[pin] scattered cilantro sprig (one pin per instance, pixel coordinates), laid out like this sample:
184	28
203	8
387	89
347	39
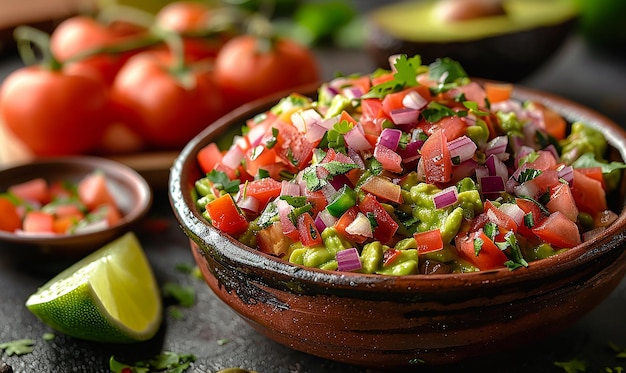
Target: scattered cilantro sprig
18	347
166	362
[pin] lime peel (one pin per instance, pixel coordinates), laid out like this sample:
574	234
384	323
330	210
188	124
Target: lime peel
109	296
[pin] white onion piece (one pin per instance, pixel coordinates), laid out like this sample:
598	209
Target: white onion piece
284	208
566	173
404	116
233	157
414	100
446	197
497	145
514	211
360	226
355	138
352	92
348	260
303	119
326	217
462	147
248	204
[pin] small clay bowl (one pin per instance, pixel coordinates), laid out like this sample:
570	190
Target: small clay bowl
130	190
389	322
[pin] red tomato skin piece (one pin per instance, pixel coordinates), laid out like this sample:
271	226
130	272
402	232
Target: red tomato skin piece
309	235
226	216
436	158
489	256
558	231
588	194
38	222
264	190
10	219
35	190
208	157
52	124
94	192
387	227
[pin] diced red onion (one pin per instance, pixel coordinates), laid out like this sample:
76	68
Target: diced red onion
348	260
514	211
462	147
470	120
392	61
94	226
446	197
340	157
566	173
481	171
521	153
390	138
255	135
355	138
404	116
340	180
328	191
356	158
497	145
360	226
496	167
463	170
315	132
527	189
411	152
320	225
233	157
302	119
249	204
352	92
414	100
328	123
491	184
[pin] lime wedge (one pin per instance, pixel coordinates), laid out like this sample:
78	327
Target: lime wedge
109	296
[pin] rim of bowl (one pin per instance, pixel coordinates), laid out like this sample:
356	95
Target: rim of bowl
113	169
196	227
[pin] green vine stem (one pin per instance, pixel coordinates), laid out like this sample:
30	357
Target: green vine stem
29	41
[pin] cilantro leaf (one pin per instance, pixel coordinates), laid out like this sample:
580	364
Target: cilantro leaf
18	347
295	201
169	362
405	76
446	70
221	181
333	168
435	111
334	136
514	252
185	295
473	107
589	160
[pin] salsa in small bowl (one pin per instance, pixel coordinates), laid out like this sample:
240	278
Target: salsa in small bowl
452	227
64	208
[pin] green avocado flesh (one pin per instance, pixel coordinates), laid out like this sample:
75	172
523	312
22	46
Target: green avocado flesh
417	20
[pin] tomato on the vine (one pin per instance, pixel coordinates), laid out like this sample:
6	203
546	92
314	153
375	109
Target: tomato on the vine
250	67
164	101
202	29
85	37
53	112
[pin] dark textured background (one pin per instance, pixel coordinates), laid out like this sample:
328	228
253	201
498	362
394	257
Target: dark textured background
595	79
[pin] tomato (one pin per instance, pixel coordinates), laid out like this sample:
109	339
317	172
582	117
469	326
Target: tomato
225	215
292	147
551	121
93	191
345	220
34	190
263	190
272	240
84	35
208	157
309	235
489	256
155	102
245	70
193	20
436	158
558	230
588	193
55	113
386	227
562	199
38	222
428	241
529	207
10	219
497	92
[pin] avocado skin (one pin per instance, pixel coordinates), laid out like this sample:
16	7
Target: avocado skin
506	57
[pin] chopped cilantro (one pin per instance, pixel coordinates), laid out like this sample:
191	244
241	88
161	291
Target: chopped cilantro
185	295
48	336
334	168
18	347
405	76
221	181
295	201
529	220
587	160
168	362
514	252
478	245
528	174
222	341
435	111
473	107
490	229
334	136
446	70
271	141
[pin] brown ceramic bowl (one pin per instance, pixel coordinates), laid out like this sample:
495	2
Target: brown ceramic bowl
131	192
385	321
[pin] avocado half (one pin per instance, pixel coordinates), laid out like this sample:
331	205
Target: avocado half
505	47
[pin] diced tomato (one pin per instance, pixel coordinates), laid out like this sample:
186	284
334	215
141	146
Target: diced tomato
588	194
60	190
263	190
529	207
345	116
383	188
390	160
316	199
63	225
489	256
344	221
35	190
271	240
112	214
363	83
453	127
390	256
372	108
553	123
69	209
497	92
544	161
499	217
386	227
225	215
558	231
208	157
562	199
93	191
393	101
36	221
292	147
309	235
10	219
594	173
436	158
428	241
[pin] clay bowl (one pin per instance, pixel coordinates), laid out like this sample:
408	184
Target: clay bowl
484	48
130	190
386	322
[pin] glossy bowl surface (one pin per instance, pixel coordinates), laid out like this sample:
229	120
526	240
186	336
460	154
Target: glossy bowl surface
384	321
130	190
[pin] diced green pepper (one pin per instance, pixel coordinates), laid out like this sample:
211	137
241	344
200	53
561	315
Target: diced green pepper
342	201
